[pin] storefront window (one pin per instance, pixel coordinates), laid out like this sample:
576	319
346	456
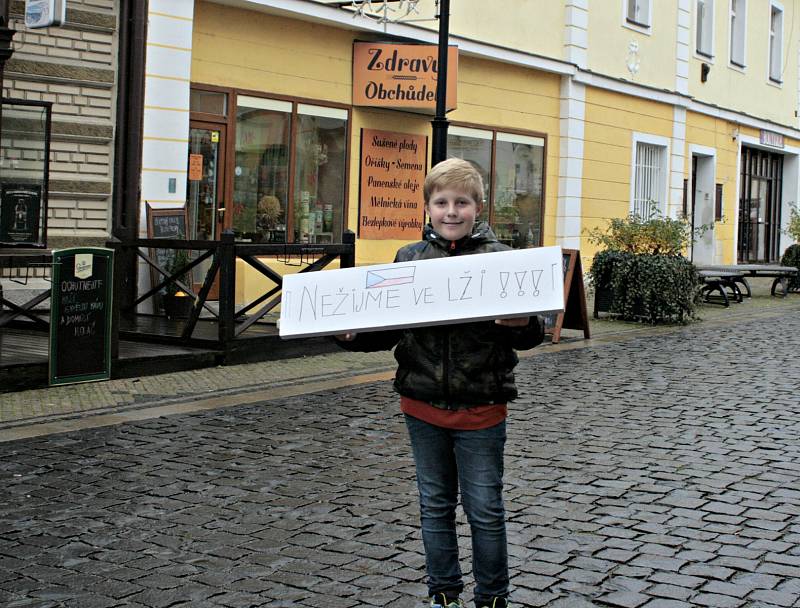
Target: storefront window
264	165
475	146
261	169
514	182
518	189
208	102
319	175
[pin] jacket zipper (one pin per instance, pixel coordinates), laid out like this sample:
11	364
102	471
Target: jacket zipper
446	366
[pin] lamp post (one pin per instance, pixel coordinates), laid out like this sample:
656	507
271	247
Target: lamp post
440	122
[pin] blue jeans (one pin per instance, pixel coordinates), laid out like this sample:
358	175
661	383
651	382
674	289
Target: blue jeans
473	460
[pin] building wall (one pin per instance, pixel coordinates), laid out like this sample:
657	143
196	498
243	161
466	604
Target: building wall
507	24
611	120
749	90
74	66
609	40
717	134
274	55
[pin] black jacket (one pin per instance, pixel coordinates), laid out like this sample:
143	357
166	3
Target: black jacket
454	366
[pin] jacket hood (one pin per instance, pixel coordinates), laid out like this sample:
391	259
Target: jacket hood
481	234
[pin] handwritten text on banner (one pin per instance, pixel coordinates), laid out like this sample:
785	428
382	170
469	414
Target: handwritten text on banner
428	292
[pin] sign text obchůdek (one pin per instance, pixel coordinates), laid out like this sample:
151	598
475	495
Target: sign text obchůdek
401	75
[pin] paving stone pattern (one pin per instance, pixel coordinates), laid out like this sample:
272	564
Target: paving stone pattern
658	472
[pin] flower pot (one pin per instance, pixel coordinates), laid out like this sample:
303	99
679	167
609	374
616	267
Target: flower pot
177	306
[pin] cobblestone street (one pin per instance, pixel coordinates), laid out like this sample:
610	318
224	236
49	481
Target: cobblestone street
659	471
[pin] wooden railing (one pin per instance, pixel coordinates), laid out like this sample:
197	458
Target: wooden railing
223	254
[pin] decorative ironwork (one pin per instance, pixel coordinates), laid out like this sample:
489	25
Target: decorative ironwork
388	11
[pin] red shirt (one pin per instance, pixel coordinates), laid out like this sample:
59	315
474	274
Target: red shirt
469	419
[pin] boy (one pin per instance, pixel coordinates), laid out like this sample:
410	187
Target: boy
454	382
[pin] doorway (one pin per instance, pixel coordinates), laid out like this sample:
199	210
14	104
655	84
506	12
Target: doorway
205	204
760	206
204	190
702	208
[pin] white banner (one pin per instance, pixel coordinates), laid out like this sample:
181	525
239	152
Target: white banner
455	289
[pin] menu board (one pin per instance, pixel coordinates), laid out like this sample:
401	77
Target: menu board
574	315
20	211
391	203
165	224
80	315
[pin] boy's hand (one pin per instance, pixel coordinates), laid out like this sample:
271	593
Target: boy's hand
348	337
514	321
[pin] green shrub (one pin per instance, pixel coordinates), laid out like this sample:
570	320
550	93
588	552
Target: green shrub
655	288
654	234
791	257
793	227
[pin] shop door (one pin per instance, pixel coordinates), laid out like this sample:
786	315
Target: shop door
702	247
759	206
204	190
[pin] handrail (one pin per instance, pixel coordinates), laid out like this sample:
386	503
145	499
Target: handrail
232	323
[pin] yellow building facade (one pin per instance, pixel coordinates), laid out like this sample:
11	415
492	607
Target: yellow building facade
574	112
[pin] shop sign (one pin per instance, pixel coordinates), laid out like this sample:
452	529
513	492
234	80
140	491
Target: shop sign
401	76
195	167
391	204
770	138
20	210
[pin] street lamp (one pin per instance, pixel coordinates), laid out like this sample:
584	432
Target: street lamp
440	122
405	14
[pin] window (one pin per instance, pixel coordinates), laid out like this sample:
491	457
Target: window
638	12
513	180
738	31
267	176
776	43
704	27
649	180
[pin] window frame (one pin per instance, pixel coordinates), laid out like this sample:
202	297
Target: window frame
737	24
706	54
493	130
643	26
229	120
773	7
652	140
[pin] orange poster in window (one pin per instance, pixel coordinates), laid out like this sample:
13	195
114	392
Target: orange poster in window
401	76
393	167
195	167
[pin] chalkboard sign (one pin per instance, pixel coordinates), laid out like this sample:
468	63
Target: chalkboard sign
165	224
80	315
20	212
574	315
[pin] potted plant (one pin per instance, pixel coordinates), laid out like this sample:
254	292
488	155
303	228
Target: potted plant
268	214
791	257
177	303
640	272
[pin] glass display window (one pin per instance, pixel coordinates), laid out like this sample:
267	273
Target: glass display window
290	171
261	169
512	167
319	176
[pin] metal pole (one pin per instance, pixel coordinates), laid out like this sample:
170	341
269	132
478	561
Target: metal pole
439	122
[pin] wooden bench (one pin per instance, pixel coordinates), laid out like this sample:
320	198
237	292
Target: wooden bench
780	274
724	282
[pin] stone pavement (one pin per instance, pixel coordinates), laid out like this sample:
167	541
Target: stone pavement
660	471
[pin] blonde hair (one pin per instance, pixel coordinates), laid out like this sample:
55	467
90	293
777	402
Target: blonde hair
454	173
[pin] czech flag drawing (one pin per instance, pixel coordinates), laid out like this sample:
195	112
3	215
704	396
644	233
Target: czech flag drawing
390	276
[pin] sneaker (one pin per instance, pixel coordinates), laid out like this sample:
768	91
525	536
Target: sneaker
498	602
440	600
